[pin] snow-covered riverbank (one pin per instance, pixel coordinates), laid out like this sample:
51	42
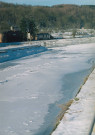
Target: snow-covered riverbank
79	119
47	43
65	42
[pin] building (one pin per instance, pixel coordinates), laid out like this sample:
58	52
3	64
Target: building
40	36
44	36
12	36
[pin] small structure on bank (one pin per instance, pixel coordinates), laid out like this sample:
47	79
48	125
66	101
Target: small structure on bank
30	37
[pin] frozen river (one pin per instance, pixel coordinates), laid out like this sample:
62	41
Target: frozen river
33	87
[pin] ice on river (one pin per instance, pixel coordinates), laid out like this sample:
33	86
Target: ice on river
28	86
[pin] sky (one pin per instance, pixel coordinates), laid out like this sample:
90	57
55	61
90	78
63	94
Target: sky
51	2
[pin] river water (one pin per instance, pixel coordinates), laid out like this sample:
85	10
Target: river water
33	87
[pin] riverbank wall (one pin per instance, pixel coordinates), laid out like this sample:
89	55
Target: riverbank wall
80	117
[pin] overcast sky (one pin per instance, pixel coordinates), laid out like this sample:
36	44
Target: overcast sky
51	2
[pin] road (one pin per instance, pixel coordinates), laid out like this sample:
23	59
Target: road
33	87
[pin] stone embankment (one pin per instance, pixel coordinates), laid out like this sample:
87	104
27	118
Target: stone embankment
80	117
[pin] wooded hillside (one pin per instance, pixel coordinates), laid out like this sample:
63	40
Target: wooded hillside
58	16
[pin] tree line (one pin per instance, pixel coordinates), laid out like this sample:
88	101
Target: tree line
47	18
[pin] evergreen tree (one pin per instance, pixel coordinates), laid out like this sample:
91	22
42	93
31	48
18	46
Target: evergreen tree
23	27
28	25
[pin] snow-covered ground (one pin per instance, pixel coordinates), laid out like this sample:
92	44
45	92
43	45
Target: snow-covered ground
32	87
69	33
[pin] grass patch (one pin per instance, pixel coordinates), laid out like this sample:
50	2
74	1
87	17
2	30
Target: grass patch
76	99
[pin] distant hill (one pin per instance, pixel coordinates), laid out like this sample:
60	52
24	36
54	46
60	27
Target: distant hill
55	17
